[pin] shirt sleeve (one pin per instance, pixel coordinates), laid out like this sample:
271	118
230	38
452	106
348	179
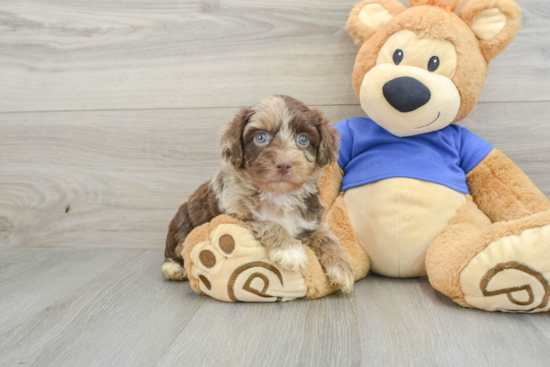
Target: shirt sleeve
473	149
346	143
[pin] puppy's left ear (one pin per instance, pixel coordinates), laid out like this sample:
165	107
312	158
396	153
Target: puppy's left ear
232	139
329	139
494	22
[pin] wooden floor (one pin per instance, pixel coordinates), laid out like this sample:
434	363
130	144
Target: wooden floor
110	113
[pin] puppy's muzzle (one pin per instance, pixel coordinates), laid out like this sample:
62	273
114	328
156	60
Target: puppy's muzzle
283	167
406	94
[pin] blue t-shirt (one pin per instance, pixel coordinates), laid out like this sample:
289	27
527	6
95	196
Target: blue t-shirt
369	153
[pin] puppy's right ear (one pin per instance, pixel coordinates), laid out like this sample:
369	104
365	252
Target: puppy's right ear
370	16
327	151
232	139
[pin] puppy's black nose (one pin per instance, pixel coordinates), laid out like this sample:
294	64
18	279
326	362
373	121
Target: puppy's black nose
283	166
406	94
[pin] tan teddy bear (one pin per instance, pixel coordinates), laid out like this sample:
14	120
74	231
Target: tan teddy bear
412	194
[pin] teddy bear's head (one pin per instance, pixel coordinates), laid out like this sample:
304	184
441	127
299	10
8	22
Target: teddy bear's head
421	68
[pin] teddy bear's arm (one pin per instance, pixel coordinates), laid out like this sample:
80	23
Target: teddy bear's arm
329	187
503	191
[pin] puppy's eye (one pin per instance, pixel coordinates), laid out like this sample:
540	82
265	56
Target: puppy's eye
433	64
398	56
261	139
302	140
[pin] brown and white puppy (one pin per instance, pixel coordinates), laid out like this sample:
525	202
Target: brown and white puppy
274	154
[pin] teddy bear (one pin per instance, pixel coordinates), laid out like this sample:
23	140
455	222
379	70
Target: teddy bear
413	194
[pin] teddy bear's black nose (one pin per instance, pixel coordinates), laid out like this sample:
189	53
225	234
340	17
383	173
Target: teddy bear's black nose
406	94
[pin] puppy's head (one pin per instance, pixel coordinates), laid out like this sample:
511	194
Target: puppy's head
280	143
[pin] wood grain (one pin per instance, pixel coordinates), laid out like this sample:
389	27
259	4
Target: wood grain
89	307
115	178
112	308
110	114
139	54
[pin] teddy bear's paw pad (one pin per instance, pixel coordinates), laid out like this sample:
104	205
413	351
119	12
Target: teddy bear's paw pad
233	266
511	274
173	271
292	258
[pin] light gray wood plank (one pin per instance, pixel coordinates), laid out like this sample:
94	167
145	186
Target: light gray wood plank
89	307
428	329
67	55
124	173
384	322
32	280
125	314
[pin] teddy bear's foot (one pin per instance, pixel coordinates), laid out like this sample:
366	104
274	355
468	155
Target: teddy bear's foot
173	271
511	274
231	265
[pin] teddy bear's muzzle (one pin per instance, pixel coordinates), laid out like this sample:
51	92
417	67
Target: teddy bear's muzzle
406	94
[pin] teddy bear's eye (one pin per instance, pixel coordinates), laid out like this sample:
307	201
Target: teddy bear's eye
398	56
433	65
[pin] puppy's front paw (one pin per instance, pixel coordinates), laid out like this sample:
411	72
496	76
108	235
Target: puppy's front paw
293	257
341	276
173	271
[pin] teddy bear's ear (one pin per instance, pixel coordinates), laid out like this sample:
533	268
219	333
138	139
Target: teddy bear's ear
494	22
370	16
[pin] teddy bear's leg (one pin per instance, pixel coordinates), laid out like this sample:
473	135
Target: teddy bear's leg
225	261
340	224
503	266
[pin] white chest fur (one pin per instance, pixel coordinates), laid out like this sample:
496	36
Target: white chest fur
285	210
239	197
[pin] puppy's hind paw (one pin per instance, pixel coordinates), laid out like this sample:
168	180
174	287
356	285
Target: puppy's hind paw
173	271
342	277
292	258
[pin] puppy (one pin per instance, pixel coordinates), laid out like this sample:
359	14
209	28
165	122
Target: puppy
274	154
